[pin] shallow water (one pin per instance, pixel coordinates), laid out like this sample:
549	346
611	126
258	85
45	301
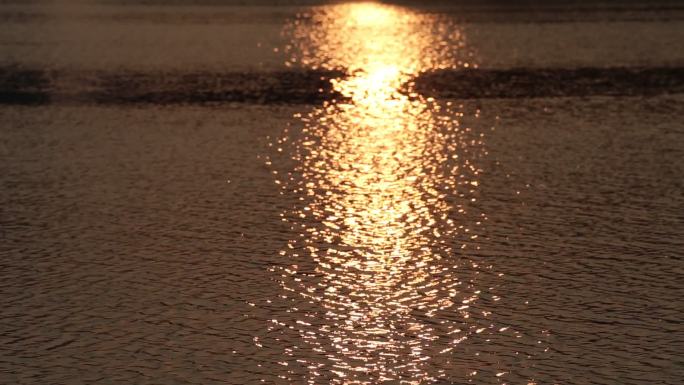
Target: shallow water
380	234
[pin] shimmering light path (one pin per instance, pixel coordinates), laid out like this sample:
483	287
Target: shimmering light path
387	183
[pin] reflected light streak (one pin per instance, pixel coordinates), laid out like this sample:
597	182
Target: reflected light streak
380	178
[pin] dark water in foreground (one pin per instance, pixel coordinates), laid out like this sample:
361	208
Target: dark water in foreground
398	195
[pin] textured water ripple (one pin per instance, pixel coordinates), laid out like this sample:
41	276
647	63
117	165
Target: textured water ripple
128	257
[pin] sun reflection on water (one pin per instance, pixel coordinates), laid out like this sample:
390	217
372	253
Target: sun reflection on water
384	181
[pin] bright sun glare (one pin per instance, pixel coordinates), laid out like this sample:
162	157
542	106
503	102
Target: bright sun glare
369	13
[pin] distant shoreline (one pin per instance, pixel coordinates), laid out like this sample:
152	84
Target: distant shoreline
22	86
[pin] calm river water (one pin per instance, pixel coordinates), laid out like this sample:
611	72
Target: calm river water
353	193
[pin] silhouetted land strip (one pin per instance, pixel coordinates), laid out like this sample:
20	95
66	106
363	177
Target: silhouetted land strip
34	87
556	82
21	86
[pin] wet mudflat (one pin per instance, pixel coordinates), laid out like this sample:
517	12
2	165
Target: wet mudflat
231	194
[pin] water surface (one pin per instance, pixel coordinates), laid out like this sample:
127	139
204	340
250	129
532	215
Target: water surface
377	216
